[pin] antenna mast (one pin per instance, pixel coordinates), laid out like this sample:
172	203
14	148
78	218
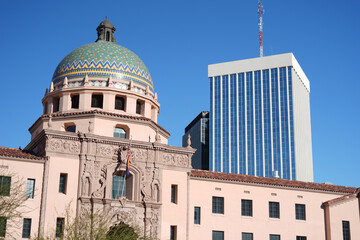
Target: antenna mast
261	12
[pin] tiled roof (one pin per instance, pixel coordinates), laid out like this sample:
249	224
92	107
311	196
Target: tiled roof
270	181
17	153
103	113
342	198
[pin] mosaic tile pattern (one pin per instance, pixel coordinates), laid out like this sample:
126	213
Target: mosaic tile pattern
103	59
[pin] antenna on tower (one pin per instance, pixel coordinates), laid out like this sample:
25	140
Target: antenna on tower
261	12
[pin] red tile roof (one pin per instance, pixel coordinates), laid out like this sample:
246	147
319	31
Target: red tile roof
270	181
17	153
342	198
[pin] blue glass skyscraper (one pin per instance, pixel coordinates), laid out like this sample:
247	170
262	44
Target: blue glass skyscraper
260	118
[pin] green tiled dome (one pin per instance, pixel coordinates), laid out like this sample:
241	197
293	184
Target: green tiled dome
103	59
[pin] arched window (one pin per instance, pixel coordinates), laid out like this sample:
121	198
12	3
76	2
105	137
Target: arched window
119	103
119	132
70	128
118	185
56	104
108	36
75	101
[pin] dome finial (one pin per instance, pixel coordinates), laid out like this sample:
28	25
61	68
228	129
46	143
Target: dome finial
106	31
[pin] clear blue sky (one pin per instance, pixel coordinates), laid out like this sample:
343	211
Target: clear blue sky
177	40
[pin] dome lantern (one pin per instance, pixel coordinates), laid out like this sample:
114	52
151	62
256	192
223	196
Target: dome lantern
106	31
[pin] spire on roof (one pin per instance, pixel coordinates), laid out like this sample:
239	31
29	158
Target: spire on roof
106	31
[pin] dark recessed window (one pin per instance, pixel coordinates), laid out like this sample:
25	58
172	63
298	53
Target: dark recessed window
218	205
26	228
300	238
5	184
119	103
300	212
196	215
59	227
108	36
3	221
138	107
346	230
173	232
274	210
174	193
71	128
56	104
62	183
217	235
75	101
30	188
97	101
246	236
246	207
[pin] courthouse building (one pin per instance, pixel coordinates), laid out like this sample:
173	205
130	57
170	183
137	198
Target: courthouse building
102	105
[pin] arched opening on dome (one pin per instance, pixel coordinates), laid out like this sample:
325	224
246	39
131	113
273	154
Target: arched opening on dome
122	185
97	100
108	36
120	103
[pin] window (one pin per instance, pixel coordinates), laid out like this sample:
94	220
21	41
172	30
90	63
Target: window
119	132
71	128
56	104
59	227
119	103
26	228
75	101
5	184
300	238
247	236
300	212
97	101
346	230
118	186
274	237
30	188
173	232
218	205
174	197
62	183
138	107
217	235
3	221
196	215
274	210
246	207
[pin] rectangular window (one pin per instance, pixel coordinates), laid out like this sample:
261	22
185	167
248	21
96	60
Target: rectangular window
119	103
62	183
3	221
59	227
300	238
246	207
174	189
97	101
300	212
30	188
138	107
26	228
217	235
274	210
196	215
173	232
274	237
75	101
346	230
5	184
247	236
218	205
56	104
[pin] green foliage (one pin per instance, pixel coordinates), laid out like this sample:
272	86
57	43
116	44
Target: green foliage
122	231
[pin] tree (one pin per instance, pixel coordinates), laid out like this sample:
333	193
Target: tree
12	199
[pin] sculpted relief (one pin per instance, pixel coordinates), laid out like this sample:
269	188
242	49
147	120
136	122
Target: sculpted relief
63	146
